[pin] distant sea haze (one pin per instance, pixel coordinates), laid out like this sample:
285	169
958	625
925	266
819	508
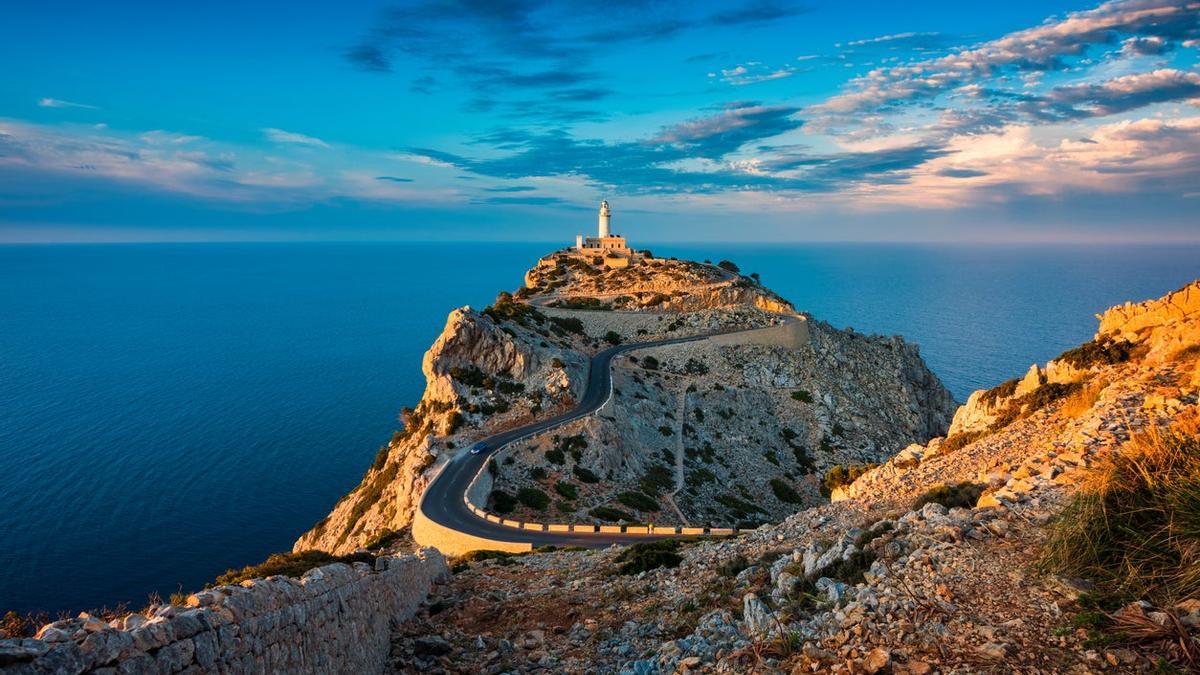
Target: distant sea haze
170	411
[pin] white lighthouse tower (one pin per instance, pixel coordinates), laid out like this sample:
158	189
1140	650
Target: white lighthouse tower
604	218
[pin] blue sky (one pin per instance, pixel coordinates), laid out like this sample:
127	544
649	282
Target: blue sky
768	120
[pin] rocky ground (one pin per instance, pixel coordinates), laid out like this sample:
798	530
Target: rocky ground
700	433
877	581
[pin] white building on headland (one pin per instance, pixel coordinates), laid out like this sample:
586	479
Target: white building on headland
606	248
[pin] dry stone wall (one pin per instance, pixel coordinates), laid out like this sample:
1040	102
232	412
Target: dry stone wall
334	619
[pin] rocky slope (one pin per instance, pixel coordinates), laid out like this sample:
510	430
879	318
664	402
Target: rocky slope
887	578
726	433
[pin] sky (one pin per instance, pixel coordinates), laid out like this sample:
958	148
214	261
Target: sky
853	120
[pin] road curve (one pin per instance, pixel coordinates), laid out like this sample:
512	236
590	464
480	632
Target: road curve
443	501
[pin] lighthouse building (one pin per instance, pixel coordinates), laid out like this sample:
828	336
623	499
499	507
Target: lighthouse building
605	248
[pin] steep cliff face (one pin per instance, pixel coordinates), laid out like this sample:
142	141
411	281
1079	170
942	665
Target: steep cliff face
486	371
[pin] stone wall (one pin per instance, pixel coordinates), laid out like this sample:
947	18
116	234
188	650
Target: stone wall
334	619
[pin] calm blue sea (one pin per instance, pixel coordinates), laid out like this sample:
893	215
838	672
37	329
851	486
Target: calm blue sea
169	411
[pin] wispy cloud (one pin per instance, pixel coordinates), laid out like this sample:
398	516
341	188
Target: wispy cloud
59	103
281	136
895	37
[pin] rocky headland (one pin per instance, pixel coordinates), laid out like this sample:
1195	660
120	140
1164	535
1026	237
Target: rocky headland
720	432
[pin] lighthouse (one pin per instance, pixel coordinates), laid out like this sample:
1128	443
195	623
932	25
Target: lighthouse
606	248
604	218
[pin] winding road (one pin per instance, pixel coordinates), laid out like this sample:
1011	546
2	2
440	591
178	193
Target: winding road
444	503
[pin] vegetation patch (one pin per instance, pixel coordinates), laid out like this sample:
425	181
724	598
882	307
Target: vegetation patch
585	474
649	555
802	396
1103	351
567	490
656	480
1134	528
533	498
639	501
784	492
841	475
964	495
502	502
610	514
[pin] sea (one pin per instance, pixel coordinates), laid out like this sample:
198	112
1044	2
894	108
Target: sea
171	411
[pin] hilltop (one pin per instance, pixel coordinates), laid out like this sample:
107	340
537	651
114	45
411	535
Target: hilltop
726	432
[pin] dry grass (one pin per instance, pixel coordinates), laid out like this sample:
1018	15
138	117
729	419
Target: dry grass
1083	399
1134	527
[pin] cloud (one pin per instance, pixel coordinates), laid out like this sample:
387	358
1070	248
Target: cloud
1146	46
753	72
394	179
281	136
909	37
59	103
1043	48
700	156
1125	93
527	201
511	188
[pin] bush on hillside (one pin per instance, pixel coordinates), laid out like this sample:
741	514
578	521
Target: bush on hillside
639	501
502	502
1100	352
650	363
841	475
950	496
584	474
609	514
729	266
567	490
1135	525
649	555
784	492
533	498
802	395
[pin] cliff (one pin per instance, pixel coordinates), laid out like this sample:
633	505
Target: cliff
946	558
695	433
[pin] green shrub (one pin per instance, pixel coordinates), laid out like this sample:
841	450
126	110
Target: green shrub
612	337
665	430
471	376
650	363
384	539
784	492
964	495
1101	352
380	458
1002	390
585	474
961	440
729	266
556	456
290	565
533	498
695	367
802	395
537	473
731	567
841	475
569	324
502	502
699	476
608	513
639	501
649	555
1134	528
657	479
567	490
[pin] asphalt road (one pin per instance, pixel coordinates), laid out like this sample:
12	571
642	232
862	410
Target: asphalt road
443	499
